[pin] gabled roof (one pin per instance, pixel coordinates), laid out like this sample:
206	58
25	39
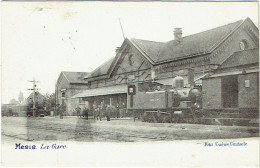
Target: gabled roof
102	69
161	52
196	44
75	77
240	58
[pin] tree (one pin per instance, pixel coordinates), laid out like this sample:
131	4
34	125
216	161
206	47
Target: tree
49	101
13	101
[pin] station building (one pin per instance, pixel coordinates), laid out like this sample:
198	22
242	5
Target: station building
69	84
193	57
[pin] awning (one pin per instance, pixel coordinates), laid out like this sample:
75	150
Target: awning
109	90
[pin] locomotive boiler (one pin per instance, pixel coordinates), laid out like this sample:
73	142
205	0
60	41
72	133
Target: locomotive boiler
154	102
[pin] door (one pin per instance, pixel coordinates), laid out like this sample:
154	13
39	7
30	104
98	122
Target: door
229	88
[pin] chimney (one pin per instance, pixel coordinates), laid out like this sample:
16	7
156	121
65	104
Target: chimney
177	33
117	50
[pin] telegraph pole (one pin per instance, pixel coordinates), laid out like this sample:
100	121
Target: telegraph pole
34	89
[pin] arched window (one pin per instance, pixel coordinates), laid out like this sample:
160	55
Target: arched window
243	45
131	59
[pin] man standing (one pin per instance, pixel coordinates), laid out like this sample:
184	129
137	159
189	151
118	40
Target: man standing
103	108
108	109
94	110
78	111
99	113
85	111
117	111
61	111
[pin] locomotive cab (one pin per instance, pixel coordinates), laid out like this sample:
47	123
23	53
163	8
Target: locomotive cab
157	102
147	95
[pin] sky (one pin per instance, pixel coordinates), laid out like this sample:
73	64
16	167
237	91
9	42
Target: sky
41	39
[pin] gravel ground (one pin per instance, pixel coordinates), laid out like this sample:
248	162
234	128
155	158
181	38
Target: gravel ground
127	130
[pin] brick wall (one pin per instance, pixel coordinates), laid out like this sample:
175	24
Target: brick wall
248	97
211	93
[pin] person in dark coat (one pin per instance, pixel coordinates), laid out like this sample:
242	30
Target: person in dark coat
85	112
108	109
117	111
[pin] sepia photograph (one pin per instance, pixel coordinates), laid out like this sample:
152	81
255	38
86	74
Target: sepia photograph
108	84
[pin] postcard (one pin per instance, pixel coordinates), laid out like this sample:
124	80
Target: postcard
129	84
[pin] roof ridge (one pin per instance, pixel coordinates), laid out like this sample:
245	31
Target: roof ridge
74	72
65	76
142	51
146	40
96	69
228	29
241	20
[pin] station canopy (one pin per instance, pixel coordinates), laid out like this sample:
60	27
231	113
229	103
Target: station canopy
110	90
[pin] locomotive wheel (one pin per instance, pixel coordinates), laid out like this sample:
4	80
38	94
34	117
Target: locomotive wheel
143	118
155	118
166	118
177	119
148	117
190	117
161	118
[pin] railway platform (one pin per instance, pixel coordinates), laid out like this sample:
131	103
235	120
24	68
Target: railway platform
126	130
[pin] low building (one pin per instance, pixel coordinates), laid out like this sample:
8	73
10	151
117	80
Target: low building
69	84
234	85
19	110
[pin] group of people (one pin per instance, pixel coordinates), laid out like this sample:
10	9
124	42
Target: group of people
100	111
107	111
82	112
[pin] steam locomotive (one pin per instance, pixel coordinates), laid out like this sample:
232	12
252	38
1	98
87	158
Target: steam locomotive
155	102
